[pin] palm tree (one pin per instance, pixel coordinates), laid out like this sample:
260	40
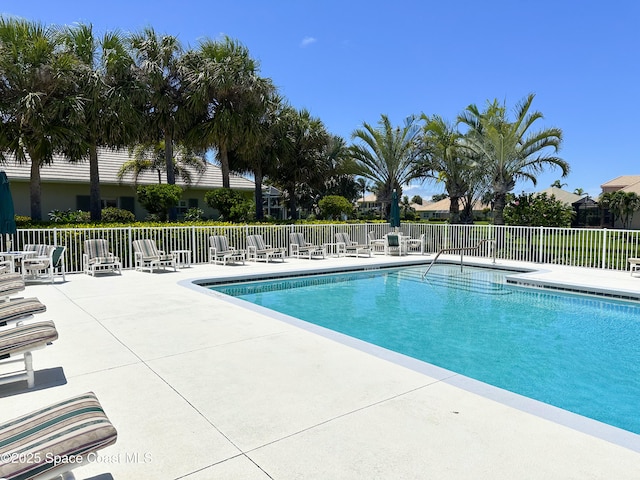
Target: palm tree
509	150
621	205
260	155
160	62
579	191
111	116
300	161
453	164
41	108
151	157
362	182
232	97
387	156
557	184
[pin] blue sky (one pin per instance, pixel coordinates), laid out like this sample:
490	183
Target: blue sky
350	61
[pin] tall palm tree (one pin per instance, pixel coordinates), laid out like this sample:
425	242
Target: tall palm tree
301	157
259	154
41	108
161	66
232	98
151	158
509	150
112	118
448	161
387	155
362	182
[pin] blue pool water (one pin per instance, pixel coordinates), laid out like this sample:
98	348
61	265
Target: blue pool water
576	352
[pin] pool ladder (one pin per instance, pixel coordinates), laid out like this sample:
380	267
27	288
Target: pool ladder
462	250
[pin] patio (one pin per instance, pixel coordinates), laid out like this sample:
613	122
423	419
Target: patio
201	388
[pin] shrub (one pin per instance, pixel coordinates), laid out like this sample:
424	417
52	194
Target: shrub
70	216
117	215
194	214
231	205
335	206
159	199
537	210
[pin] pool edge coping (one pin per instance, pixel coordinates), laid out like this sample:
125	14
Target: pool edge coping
577	422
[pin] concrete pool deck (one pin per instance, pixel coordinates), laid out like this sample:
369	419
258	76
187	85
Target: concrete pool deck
201	388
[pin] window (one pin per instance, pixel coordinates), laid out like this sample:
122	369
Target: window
128	203
83	203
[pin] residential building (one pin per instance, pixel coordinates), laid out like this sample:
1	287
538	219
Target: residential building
65	185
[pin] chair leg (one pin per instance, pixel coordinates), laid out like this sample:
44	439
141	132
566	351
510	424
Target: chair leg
28	366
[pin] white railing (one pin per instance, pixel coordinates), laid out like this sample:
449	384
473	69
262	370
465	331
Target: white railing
595	248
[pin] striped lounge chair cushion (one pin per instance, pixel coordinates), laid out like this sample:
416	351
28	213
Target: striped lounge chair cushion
97	251
24	338
10	284
149	251
38	249
257	241
147	248
343	238
102	260
68	430
298	239
220	243
19	308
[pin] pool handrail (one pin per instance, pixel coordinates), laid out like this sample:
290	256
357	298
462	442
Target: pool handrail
462	250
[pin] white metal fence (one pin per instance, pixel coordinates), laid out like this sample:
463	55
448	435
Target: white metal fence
595	248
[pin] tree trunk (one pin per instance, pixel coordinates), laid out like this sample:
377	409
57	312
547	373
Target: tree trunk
500	201
95	206
293	204
35	192
168	158
257	176
171	171
223	157
454	209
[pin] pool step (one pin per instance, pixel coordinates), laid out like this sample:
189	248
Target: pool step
456	280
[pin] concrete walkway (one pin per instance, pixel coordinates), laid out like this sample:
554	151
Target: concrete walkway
202	388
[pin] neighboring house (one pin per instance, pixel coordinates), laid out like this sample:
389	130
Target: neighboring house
625	183
563	196
65	185
440	210
369	203
587	213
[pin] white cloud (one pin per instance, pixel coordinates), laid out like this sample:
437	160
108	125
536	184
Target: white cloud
306	41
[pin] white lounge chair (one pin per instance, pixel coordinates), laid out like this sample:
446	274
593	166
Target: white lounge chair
50	442
47	262
634	265
376	244
10	284
221	252
148	257
416	244
299	247
97	258
20	341
351	248
393	244
259	250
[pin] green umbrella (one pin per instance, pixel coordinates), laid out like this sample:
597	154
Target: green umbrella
394	216
7	213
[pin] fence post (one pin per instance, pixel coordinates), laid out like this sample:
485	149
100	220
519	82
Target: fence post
604	249
540	244
130	242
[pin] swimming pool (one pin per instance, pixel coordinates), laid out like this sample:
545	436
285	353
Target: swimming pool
579	353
